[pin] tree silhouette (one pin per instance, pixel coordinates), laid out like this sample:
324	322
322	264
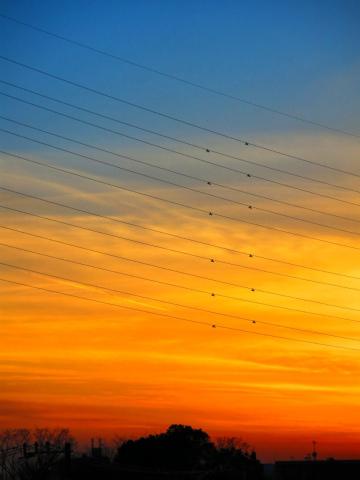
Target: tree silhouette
180	447
31	454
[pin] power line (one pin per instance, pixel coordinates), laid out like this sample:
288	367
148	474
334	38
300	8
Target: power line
172	202
181	141
212	293
173	118
167	149
155	299
208	324
181	79
171	170
140	242
92	285
168	284
110	164
198	242
176	285
200	257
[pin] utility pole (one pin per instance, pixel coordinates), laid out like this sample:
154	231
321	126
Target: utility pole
314	452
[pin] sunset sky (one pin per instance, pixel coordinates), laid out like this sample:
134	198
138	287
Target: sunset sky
99	369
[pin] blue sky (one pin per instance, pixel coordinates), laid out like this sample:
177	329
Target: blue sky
298	57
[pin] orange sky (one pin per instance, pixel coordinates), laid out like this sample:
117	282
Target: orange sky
101	370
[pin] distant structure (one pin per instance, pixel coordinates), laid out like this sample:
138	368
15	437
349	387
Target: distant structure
96	452
313	455
314	452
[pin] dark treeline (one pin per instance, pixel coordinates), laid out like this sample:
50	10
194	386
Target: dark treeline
181	452
185	448
36	454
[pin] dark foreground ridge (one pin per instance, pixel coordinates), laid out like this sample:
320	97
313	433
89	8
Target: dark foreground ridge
180	453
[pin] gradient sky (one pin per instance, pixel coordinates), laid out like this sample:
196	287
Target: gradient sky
102	370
